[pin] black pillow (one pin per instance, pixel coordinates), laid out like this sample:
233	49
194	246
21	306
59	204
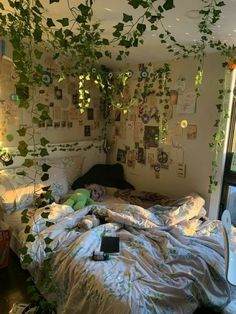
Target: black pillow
106	175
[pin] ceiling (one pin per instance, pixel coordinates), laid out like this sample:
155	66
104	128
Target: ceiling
181	21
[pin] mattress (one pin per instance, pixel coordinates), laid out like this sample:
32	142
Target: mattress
15	226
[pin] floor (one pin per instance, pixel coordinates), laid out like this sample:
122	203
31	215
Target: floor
13	285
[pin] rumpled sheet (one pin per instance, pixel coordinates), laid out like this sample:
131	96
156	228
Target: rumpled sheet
169	261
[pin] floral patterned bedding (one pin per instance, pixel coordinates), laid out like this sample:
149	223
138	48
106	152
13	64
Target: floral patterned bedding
169	260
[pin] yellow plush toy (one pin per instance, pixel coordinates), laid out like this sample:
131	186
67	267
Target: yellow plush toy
78	199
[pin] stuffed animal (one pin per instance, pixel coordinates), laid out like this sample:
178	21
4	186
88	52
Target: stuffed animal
78	199
88	222
97	191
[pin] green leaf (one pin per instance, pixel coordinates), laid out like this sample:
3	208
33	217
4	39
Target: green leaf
21	173
47	240
22	131
46	188
50	22
10	137
24	104
154	27
27	259
127	18
28	163
38	54
41	106
141	28
119	27
23	250
49	223
38	4
1	6
98	54
84	9
23	148
30	238
220	4
134	3
43	152
24	219
27	229
45	215
35	120
168	5
64	22
37	34
47	250
45	167
44	141
105	42
45	177
45	116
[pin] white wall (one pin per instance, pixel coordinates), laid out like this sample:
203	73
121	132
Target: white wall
197	154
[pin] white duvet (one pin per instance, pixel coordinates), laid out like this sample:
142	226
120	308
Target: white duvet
169	261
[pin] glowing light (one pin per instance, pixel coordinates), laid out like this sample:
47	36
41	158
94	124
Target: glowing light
184	124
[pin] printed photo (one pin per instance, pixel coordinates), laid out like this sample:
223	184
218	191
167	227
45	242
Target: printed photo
87	130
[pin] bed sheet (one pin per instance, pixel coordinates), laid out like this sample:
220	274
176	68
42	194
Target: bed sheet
159	268
16	226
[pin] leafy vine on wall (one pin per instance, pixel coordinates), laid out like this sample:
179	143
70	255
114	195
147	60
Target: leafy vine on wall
77	45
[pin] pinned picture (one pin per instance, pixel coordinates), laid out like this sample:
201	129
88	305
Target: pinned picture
90	114
192	132
49	123
57	124
41	124
57	92
117	115
173	97
121	155
141	155
75	99
87	130
131	158
63	124
150	136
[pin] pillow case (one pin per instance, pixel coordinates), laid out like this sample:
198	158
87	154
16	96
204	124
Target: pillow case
106	175
17	191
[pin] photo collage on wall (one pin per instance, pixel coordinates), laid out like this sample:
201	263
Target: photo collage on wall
140	127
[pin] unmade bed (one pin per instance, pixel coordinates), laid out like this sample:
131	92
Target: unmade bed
170	260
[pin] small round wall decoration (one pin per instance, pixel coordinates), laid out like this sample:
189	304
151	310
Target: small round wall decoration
157	167
94	70
129	73
144	74
47	78
110	75
184	124
162	157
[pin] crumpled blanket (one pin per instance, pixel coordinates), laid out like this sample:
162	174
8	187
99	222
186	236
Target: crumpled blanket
162	267
146	199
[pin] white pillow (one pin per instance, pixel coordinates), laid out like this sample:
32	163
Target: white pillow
17	192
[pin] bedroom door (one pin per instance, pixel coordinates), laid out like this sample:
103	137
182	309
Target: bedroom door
228	195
